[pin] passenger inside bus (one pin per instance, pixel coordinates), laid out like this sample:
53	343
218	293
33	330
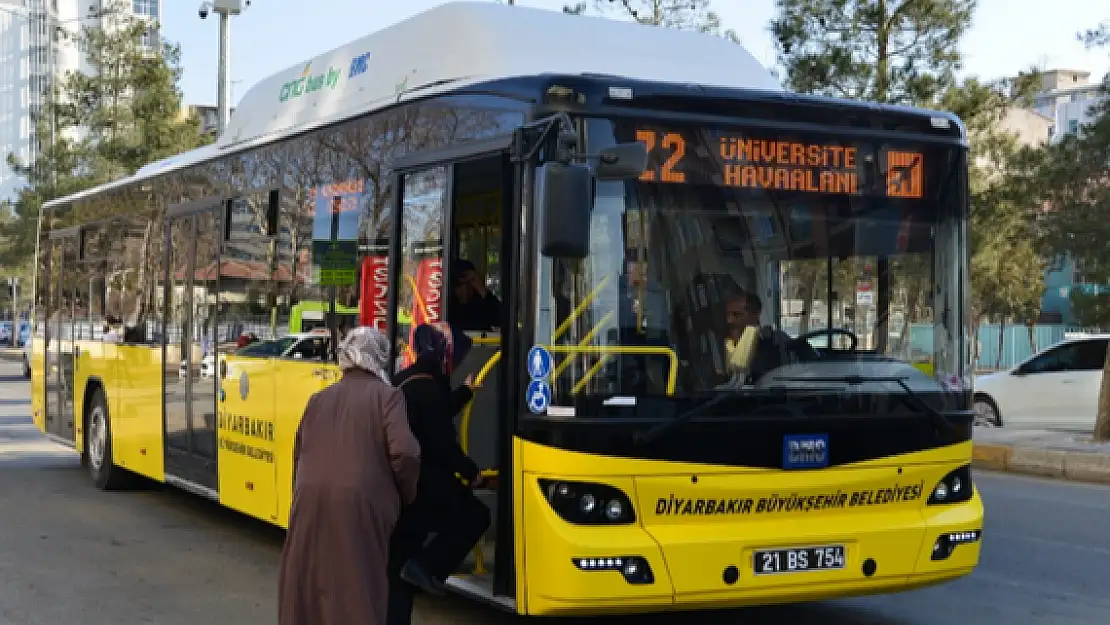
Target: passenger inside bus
472	307
113	329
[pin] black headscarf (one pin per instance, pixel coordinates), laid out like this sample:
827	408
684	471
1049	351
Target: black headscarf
440	347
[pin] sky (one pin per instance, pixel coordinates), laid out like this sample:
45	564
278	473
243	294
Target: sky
271	35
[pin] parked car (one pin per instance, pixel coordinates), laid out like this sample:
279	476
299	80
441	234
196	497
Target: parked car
207	368
312	345
1056	388
304	345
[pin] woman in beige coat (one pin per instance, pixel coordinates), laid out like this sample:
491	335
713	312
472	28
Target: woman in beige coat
355	463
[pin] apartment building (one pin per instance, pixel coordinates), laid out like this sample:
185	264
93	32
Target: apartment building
1067	97
40	40
209	116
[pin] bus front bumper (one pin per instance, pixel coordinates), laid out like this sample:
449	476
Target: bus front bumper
711	565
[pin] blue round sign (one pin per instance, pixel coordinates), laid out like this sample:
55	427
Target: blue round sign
538	396
539	363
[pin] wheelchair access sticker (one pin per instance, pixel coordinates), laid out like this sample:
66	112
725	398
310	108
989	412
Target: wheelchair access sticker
538	396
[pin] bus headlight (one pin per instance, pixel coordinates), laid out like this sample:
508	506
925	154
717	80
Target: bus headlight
614	510
954	488
947	543
634	569
588	503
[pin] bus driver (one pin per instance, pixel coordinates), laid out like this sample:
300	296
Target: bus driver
743	310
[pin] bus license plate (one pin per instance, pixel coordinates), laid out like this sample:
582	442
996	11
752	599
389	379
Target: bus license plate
826	558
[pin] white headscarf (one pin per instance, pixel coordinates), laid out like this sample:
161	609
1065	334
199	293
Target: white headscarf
365	348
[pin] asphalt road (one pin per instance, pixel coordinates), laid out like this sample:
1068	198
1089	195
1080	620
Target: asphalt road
71	554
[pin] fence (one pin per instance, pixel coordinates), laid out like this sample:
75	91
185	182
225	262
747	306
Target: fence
1017	345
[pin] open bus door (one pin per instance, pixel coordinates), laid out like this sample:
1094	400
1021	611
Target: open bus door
60	358
189	409
427	188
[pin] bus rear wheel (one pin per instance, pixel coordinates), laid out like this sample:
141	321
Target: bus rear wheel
97	456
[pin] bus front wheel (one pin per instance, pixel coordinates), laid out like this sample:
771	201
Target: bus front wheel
98	445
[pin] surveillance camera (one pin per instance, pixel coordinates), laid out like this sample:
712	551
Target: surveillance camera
203	13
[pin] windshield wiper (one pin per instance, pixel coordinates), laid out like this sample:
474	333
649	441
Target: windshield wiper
910	399
641	438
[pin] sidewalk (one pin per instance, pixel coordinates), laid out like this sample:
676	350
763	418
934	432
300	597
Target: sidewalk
1066	455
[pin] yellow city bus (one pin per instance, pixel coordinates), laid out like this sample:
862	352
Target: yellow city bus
696	394
308	316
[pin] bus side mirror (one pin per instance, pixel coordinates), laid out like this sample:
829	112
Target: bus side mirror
623	161
564	201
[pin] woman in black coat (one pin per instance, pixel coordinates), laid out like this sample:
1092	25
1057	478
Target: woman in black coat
444	504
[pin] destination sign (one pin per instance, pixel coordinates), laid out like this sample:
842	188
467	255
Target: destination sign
748	161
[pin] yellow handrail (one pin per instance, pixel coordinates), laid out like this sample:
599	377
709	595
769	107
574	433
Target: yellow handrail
627	350
589	375
577	312
603	350
583	343
464	441
479	380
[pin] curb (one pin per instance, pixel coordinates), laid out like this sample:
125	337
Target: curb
1076	466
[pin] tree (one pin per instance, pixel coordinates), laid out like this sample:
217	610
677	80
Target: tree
693	15
1090	309
130	107
101	126
1076	178
889	51
907	52
1007	267
53	174
896	51
1097	37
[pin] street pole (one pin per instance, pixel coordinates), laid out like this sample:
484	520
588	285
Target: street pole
224	95
15	313
225	9
35	265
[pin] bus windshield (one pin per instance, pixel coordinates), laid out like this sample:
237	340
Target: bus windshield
848	254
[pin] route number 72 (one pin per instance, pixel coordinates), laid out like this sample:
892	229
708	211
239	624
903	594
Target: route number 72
671	141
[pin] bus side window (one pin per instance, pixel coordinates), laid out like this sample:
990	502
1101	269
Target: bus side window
476	223
125	293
